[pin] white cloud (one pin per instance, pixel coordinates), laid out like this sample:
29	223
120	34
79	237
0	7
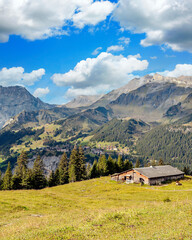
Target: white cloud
115	48
16	76
40	19
154	57
100	74
180	70
164	22
93	13
124	40
41	92
96	51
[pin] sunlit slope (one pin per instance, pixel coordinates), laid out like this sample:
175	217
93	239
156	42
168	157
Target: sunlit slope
98	209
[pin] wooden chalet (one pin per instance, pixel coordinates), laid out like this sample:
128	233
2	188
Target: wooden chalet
153	175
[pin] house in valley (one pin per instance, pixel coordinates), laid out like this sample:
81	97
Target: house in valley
153	175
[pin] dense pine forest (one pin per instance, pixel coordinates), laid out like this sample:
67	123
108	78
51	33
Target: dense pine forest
171	143
69	170
121	131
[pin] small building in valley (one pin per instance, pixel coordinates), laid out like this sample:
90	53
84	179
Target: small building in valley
153	175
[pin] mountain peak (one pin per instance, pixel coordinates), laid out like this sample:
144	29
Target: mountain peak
15	99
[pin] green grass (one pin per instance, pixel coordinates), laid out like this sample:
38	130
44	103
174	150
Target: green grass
98	209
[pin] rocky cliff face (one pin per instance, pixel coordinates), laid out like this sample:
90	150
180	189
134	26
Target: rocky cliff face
83	101
14	100
150	101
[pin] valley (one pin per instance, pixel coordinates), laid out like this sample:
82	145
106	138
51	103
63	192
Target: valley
132	120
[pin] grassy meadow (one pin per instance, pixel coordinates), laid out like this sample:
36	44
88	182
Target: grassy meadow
98	209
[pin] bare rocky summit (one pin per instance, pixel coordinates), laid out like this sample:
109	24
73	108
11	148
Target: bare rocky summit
16	99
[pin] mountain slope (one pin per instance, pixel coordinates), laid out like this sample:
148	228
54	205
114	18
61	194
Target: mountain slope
14	100
183	81
84	122
172	143
83	101
122	131
150	101
37	118
180	110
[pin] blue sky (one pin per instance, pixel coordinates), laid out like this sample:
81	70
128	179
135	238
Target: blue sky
42	57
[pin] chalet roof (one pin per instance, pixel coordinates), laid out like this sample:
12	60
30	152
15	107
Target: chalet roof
116	174
159	171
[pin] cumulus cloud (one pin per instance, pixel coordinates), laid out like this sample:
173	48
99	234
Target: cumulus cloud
180	70
16	76
93	13
124	40
41	92
100	74
164	22
96	51
40	19
115	48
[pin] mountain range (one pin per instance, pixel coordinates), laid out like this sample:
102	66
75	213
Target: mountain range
125	115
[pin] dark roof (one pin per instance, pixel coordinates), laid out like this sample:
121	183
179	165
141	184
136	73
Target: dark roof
159	171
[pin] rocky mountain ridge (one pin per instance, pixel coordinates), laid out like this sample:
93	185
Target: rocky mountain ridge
14	100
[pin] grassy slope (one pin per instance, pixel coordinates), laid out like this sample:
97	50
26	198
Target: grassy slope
98	209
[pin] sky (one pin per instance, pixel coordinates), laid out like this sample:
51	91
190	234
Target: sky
60	49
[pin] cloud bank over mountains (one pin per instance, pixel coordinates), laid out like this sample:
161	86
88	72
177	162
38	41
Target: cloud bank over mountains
41	92
100	74
17	76
180	70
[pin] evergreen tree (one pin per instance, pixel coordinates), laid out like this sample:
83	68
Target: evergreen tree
137	164
57	177
51	179
110	165
120	163
127	165
187	170
160	162
39	180
27	182
7	179
88	171
63	170
94	172
102	166
19	178
81	165
73	165
116	168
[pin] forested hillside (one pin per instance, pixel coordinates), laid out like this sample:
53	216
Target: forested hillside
171	143
121	131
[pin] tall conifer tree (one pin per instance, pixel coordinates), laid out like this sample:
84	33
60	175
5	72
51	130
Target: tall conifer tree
81	165
102	166
120	163
7	179
110	164
51	179
73	166
39	180
20	173
63	169
94	171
